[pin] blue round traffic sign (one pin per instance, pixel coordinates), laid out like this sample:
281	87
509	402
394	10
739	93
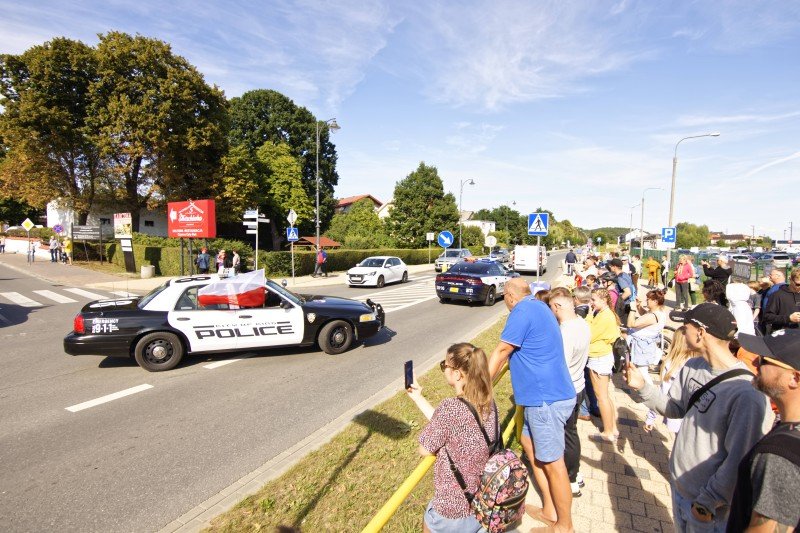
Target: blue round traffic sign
445	239
58	228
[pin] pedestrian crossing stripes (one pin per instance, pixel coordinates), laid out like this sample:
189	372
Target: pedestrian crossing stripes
402	297
46	297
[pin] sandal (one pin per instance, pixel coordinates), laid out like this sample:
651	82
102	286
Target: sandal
599	437
537	514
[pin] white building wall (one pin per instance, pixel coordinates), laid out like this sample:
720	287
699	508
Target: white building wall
486	226
66	216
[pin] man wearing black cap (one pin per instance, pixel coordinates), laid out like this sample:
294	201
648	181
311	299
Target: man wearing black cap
767	495
723	417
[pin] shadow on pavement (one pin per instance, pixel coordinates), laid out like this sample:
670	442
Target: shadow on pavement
13	314
384	335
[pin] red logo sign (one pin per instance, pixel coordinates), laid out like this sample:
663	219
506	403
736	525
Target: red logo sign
195	218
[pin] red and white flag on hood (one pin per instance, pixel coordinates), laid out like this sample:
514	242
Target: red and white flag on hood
244	290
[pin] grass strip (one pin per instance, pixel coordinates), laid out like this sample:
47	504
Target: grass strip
341	486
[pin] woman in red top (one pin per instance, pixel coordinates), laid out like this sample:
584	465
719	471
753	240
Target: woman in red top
683	273
453	431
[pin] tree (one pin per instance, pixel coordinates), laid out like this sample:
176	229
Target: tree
242	184
420	206
265	115
472	236
160	128
14	212
359	228
49	150
689	235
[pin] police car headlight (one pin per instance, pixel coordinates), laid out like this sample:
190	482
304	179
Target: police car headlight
368	317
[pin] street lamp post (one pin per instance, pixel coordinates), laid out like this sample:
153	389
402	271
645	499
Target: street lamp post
630	230
508	208
672	188
333	126
468	181
641	222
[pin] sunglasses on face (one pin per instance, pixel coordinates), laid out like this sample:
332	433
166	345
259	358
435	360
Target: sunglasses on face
443	364
764	361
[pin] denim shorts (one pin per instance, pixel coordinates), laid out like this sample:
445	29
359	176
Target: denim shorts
545	426
439	524
602	365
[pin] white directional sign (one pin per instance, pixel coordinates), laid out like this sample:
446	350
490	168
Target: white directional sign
430	236
538	224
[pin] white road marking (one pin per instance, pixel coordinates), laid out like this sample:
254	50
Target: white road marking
19	299
59	298
87	294
212	366
107	398
403	297
124	294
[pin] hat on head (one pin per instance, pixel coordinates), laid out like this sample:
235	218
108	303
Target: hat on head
616	262
782	346
715	319
608	276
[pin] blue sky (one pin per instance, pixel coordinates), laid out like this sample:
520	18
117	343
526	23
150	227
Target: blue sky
572	106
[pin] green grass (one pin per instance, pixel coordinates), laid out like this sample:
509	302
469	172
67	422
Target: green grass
342	485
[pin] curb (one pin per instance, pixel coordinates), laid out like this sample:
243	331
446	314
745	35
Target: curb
201	515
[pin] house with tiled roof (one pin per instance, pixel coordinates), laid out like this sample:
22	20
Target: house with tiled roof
345	204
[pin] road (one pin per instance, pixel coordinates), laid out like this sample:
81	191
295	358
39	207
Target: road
137	462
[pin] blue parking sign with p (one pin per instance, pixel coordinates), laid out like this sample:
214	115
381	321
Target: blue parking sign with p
669	234
291	235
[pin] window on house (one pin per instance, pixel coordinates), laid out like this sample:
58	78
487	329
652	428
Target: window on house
106	221
149	224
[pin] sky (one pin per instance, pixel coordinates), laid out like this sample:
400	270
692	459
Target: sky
571	106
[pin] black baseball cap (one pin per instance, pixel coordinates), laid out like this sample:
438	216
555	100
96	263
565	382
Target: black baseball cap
616	262
715	319
782	346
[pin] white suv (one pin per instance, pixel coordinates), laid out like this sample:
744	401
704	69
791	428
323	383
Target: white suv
450	257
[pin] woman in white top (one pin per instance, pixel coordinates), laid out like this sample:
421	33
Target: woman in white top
738	295
679	353
644	332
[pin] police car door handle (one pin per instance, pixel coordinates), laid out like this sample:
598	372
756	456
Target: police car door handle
245	316
183	318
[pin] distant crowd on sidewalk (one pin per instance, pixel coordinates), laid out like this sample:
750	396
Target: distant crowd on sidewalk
728	387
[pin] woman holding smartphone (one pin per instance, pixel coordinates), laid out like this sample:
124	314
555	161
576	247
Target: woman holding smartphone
644	332
453	434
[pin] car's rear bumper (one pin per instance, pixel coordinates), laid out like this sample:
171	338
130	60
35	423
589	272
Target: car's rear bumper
77	344
477	294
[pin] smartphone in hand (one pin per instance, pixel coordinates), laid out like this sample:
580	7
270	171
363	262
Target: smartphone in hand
409	373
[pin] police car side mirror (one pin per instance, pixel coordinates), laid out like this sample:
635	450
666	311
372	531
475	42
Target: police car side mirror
284	283
284	304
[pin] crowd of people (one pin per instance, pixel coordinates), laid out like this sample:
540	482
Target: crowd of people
735	463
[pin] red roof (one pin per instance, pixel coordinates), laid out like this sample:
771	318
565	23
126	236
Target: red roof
325	242
344	202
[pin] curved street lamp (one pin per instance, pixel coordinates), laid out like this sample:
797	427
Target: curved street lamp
641	224
333	126
468	181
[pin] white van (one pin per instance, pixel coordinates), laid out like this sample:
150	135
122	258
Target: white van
530	258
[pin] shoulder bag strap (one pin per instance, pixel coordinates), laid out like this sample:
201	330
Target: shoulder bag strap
453	468
722	377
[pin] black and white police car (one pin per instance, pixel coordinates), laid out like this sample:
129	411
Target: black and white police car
474	281
158	328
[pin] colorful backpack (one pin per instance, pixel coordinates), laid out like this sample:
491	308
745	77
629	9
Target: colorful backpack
500	498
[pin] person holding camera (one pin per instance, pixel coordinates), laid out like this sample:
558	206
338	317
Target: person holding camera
722	272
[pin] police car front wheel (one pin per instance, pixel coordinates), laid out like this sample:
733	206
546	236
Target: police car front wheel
158	351
335	337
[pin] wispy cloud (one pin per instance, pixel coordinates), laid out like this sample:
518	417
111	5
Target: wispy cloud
710	120
473	138
778	161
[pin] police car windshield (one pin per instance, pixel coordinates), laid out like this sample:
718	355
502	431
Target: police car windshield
469	268
150	295
372	262
289	295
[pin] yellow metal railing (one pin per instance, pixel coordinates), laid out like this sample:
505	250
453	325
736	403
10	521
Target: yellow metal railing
410	483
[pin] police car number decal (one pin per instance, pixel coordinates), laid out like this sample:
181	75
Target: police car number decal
258	330
105	325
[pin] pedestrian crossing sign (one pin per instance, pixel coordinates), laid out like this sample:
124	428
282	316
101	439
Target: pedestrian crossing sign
538	224
291	235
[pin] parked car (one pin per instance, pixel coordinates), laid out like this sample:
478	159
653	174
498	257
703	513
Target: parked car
479	281
778	259
157	329
377	271
501	255
450	257
740	257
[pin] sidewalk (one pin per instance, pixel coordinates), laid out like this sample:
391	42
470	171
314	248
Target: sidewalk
76	275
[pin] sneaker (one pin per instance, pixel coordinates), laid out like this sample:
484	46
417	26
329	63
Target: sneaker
576	489
579	480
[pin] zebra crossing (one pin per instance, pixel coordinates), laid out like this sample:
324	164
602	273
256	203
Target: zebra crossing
47	297
404	296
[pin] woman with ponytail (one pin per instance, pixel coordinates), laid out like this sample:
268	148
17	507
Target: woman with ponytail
604	327
453	435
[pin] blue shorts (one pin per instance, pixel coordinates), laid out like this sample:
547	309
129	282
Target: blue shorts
545	426
439	524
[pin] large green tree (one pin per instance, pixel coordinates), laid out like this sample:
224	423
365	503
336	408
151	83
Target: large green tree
360	227
689	235
420	206
159	126
45	93
261	116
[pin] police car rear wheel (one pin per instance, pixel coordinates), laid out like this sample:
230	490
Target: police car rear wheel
490	297
160	351
335	337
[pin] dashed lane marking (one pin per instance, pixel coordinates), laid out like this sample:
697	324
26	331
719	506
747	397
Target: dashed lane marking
86	294
19	299
108	398
58	298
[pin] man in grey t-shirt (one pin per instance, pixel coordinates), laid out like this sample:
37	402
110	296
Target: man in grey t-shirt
718	430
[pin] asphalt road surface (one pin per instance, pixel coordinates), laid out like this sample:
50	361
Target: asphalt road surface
91	443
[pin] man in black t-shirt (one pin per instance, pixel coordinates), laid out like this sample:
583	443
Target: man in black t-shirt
767	495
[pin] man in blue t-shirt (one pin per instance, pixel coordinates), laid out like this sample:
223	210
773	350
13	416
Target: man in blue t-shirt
627	290
531	343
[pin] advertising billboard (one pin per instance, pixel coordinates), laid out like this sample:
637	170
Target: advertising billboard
192	219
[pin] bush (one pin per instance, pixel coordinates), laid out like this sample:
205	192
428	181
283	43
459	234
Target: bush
36	233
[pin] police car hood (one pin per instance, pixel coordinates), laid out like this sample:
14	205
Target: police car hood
318	301
116	304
